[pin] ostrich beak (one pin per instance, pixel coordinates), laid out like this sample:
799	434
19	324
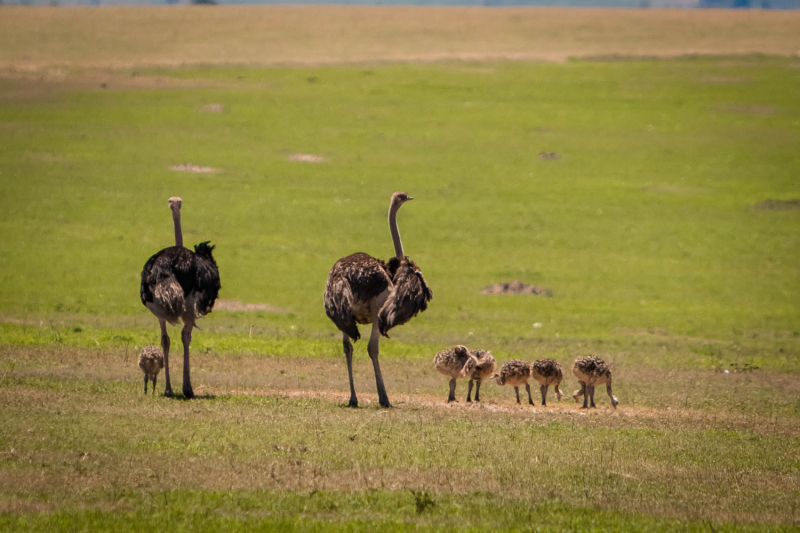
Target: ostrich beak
410	198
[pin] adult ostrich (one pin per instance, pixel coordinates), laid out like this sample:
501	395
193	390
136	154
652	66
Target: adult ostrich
364	290
178	284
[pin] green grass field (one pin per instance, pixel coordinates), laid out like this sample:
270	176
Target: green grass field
648	225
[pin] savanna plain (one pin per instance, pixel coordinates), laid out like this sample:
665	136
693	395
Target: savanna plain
654	198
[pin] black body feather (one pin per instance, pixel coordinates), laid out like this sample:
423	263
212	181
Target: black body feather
355	279
174	273
358	278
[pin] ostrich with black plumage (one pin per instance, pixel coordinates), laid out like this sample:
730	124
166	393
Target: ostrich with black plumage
180	285
362	289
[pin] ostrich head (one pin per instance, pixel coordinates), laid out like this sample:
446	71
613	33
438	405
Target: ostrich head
175	204
462	352
614	402
498	378
399	198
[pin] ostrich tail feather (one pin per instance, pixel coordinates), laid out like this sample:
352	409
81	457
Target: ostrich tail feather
204	250
410	295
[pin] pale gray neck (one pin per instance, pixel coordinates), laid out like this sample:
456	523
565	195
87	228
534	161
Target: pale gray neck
176	218
398	245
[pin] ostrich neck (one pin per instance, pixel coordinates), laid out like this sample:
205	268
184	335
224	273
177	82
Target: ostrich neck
398	245
176	218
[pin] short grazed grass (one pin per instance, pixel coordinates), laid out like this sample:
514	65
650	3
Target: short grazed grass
645	223
78	433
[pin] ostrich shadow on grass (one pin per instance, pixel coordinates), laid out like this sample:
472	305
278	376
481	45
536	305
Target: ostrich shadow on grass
369	406
179	396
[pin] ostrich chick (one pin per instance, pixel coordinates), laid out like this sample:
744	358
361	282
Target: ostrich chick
547	372
484	367
151	361
455	363
515	372
592	371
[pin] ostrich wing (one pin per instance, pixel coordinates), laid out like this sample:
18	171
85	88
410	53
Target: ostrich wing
410	295
168	272
357	278
146	289
338	300
206	280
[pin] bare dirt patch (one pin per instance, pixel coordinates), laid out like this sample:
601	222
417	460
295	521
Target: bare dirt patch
724	79
189	167
235	305
307	158
778	205
516	287
212	108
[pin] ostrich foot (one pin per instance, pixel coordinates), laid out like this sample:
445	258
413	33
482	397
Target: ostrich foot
168	393
188	393
353	403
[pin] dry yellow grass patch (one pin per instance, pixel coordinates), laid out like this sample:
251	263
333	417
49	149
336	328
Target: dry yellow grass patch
266	35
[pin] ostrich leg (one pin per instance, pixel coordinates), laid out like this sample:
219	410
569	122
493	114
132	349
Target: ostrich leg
610	395
543	388
372	349
348	354
165	348
578	393
452	396
590	391
528	388
478	390
469	392
186	337
154	384
146	379
516	390
585	391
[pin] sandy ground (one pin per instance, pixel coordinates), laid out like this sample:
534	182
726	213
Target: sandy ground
126	37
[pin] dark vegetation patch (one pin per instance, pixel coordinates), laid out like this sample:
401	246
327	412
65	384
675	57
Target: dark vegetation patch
778	205
516	287
549	155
